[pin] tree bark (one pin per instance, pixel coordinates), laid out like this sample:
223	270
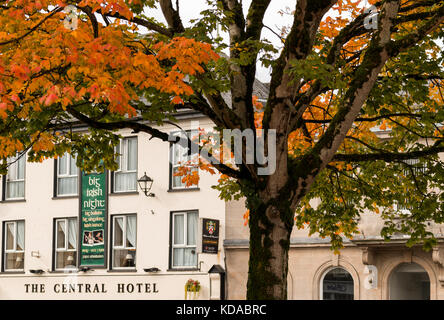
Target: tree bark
271	222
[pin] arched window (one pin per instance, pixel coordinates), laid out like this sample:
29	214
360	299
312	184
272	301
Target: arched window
337	284
409	281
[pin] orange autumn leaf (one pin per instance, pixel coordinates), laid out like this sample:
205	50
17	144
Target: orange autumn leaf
246	217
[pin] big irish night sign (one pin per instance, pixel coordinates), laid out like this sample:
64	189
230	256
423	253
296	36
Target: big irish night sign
93	219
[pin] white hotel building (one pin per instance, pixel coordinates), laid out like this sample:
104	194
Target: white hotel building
152	244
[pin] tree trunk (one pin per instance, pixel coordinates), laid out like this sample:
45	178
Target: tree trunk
270	223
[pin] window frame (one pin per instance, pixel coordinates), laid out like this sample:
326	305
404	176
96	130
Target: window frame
123	246
58	176
327	271
16	159
55	238
4	244
173	166
119	169
184	246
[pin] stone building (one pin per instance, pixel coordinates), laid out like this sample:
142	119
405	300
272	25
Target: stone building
367	268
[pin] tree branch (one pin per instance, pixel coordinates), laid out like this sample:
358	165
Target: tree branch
390	156
53	12
137	126
385	116
145	23
255	19
92	18
171	16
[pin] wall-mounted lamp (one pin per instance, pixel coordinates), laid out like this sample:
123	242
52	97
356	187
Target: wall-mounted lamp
36	271
145	184
154	269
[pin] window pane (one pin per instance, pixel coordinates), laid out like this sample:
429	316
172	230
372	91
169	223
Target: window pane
177	150
184	257
63	164
131	232
124	258
73	166
118	231
21	168
12	170
181	157
191	228
178	256
61	233
10	236
72	233
20	235
127	161
15	189
177	180
125	181
194	136
132	154
66	259
67	186
190	257
178	229
14	261
118	158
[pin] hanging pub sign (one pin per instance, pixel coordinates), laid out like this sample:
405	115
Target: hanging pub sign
210	236
93	219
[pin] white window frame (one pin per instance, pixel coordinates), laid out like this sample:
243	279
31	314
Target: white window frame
15	162
123	161
65	249
67	175
185	238
182	159
15	223
123	246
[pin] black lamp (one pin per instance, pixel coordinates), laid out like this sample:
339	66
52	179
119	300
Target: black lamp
145	184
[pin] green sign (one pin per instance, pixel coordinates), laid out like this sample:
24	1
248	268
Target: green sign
93	218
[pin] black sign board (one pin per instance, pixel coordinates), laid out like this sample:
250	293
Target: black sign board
210	236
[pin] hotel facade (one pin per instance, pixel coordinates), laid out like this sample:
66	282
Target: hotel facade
104	238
